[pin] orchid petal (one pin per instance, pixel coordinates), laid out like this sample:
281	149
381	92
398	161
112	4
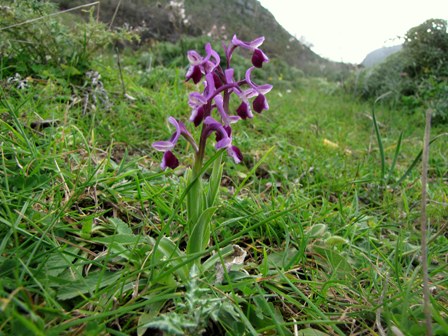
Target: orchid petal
260	103
193	57
210	86
169	161
248	45
218	82
244	111
163	146
258	58
226	119
235	153
194	72
223	140
250	93
197	115
229	75
264	88
178	132
195	100
223	143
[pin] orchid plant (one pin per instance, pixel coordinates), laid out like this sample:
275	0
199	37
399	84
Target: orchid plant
210	110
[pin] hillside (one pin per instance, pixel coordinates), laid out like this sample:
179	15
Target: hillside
379	55
167	21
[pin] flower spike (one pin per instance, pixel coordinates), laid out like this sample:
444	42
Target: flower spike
211	106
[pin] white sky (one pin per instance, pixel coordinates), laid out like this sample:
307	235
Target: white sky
347	30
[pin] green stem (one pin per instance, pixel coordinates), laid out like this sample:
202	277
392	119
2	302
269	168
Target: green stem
195	199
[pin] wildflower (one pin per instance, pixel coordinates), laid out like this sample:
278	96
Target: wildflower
218	86
244	110
201	65
197	102
258	56
20	83
169	159
227	119
223	138
260	103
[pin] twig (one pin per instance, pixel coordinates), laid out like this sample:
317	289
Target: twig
49	15
98	9
120	70
426	290
115	14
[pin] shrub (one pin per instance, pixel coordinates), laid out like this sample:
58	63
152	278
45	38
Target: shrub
414	78
427	48
33	37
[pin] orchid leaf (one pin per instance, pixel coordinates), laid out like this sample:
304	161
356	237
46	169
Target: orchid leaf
215	181
200	234
173	255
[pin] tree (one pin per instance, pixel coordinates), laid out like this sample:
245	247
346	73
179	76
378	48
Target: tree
426	47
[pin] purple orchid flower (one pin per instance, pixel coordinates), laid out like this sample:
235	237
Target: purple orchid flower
223	138
200	101
197	102
260	103
258	56
226	119
243	110
169	159
201	65
233	151
218	87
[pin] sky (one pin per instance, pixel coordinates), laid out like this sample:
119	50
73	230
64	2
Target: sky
347	30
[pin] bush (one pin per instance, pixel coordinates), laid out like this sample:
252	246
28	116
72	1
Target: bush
415	78
427	48
33	37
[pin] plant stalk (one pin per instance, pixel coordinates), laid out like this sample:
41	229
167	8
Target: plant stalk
426	291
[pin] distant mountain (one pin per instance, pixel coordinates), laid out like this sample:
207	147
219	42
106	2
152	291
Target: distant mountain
168	20
379	55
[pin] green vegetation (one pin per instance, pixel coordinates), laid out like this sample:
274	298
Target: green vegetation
156	20
324	204
415	78
35	42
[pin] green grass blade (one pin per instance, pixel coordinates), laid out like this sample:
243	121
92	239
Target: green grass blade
309	302
380	145
394	161
252	172
417	159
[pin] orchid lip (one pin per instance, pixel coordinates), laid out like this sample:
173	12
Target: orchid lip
169	161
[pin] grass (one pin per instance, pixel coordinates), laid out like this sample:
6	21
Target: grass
332	247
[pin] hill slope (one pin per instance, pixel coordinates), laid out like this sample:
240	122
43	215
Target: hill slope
167	21
379	55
